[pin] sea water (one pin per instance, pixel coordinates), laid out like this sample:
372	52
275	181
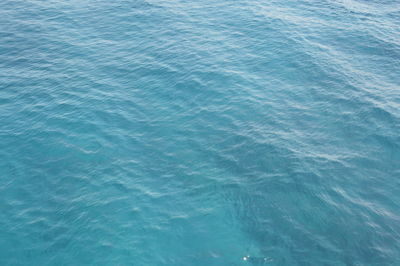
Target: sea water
177	132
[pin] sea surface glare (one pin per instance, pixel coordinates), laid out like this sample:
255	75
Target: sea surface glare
209	132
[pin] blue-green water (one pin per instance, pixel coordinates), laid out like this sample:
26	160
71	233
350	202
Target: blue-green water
235	132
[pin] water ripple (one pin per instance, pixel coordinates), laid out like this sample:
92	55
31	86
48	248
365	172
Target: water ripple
211	133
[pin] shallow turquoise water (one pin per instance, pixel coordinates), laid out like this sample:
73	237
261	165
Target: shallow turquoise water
199	132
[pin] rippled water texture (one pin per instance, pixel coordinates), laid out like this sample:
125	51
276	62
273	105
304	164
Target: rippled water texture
226	132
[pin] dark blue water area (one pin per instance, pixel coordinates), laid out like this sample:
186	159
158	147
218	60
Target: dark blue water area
199	132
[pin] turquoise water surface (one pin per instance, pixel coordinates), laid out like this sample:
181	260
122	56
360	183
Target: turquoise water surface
176	132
